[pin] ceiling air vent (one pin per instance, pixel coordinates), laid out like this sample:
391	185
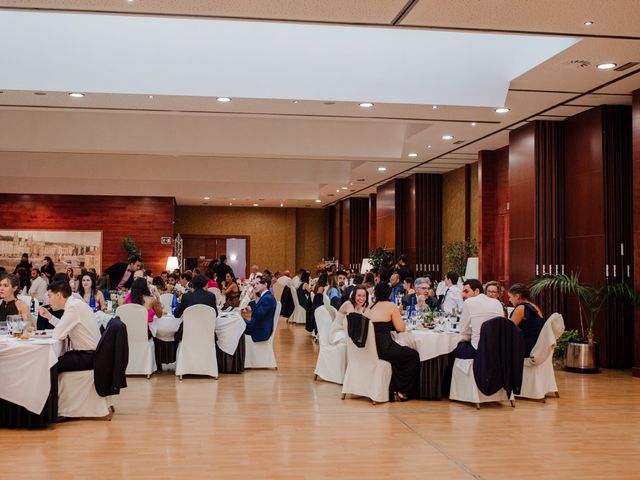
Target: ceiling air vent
626	66
458	142
577	64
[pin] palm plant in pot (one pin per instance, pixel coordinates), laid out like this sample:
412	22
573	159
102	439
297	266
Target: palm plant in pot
581	356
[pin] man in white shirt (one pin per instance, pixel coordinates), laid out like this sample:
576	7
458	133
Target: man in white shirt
478	308
296	280
38	288
77	324
255	273
452	297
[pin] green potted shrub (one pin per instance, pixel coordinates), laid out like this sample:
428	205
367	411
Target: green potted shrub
581	348
457	252
380	258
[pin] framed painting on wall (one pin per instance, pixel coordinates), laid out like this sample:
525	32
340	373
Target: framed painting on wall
67	249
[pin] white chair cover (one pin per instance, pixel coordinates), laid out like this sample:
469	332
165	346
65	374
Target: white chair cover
538	377
332	359
196	353
260	354
366	374
142	359
299	312
464	388
219	297
77	396
167	299
277	290
332	311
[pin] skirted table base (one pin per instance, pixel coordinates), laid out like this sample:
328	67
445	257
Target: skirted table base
433	382
231	363
15	416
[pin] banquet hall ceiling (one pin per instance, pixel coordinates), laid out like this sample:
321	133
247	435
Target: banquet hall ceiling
293	151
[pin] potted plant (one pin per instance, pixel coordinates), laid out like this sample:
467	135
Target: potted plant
457	252
581	350
380	258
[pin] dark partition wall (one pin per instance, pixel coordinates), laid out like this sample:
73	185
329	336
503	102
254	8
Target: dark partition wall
636	222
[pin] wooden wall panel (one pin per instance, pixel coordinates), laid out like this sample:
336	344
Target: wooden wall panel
429	231
372	222
345	232
145	219
359	231
493	221
386	215
636	222
410	219
522	199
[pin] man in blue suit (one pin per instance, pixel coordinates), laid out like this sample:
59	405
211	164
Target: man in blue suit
262	311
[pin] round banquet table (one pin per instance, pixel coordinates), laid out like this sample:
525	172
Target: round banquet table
433	348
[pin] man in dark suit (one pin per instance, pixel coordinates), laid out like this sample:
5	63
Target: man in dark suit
121	274
222	269
261	312
199	296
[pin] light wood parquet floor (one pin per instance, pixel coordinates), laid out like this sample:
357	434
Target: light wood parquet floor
282	424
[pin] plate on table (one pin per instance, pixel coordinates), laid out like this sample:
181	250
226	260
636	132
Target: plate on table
42	334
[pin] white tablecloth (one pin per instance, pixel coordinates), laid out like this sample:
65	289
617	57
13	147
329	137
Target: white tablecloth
24	370
165	328
230	327
427	343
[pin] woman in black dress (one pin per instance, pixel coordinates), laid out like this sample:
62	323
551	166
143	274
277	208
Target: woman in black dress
405	362
526	315
10	304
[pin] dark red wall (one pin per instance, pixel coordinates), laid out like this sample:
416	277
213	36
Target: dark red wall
145	219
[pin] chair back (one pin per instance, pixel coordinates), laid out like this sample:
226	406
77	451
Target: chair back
546	343
277	290
199	325
325	299
216	291
323	323
167	299
332	311
362	357
276	316
136	318
294	294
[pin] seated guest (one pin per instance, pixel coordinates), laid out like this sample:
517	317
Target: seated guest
407	285
478	308
259	314
89	290
172	280
421	297
121	274
493	289
369	282
526	315
38	287
230	284
184	282
333	292
24	278
304	291
199	296
46	311
396	285
231	302
295	281
255	273
164	275
405	362
78	324
11	305
346	293
72	279
341	279
402	267
211	275
160	285
140	295
452	295
357	302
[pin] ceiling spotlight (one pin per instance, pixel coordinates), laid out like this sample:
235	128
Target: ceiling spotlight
473	124
344	188
366	105
318	200
230	203
428	146
255	204
502	110
337	191
223	99
206	198
412	154
447	137
607	66
76	95
435	107
150	96
588	23
382	169
282	204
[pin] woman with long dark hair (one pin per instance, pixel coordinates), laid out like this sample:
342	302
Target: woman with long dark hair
358	302
526	315
48	268
11	305
140	295
88	289
230	284
405	362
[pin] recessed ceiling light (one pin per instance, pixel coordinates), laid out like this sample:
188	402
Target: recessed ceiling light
337	191
233	199
412	154
447	137
588	23
318	200
206	198
282	204
428	146
223	99
255	204
344	188
473	124
76	95
150	96
502	110
230	203
435	107
382	169
366	104
295	101
607	66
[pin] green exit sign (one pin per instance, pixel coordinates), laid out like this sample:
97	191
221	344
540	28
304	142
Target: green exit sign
165	240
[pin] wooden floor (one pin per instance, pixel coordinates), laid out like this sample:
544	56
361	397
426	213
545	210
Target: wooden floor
282	424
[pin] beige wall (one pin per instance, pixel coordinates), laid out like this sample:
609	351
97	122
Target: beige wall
273	232
311	237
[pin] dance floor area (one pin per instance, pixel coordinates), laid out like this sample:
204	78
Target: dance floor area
283	424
